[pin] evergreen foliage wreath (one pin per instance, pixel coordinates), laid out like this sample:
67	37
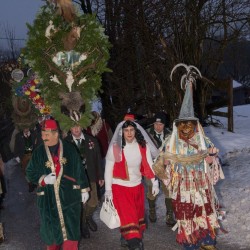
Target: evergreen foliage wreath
87	60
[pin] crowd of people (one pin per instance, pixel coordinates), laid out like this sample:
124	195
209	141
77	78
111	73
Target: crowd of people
72	172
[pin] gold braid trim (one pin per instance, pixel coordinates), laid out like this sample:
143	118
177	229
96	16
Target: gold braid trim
56	187
51	163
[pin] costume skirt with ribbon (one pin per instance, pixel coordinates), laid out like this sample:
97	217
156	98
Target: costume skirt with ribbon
129	202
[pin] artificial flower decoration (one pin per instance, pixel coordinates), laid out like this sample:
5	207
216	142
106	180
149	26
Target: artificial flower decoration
19	91
91	145
30	90
48	164
63	161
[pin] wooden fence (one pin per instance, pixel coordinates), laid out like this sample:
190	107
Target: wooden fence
224	91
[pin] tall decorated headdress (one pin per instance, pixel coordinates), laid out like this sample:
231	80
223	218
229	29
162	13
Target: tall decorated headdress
69	52
188	81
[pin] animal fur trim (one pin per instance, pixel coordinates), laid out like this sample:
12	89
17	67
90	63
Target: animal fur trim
97	126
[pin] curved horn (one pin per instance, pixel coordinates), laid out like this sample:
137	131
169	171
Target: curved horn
190	67
183	81
176	66
192	73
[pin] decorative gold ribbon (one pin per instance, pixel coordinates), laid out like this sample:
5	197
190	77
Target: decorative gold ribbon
57	184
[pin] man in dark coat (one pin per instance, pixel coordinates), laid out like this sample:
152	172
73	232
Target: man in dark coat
88	148
101	130
56	168
24	145
158	133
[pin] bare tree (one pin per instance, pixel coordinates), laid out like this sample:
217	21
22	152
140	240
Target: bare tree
237	61
201	33
150	37
12	50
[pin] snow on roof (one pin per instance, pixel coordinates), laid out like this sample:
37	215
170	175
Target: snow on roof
236	84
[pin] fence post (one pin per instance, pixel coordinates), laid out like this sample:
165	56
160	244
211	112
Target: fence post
230	106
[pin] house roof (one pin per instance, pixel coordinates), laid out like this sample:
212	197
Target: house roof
236	84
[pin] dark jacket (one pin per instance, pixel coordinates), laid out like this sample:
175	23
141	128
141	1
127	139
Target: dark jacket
23	145
91	156
154	137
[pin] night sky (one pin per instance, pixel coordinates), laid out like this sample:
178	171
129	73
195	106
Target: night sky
15	14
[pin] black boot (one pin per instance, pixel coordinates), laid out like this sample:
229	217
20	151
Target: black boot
32	187
123	241
84	227
135	244
89	218
170	221
152	212
85	230
91	223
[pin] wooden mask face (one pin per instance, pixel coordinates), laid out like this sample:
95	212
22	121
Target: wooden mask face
186	129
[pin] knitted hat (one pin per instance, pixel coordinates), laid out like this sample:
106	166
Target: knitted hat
160	117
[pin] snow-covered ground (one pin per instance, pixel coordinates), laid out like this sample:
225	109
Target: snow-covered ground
227	141
234	191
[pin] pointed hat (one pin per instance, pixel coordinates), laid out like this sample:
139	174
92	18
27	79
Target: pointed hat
187	108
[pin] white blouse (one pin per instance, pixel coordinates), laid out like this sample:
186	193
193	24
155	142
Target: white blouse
133	158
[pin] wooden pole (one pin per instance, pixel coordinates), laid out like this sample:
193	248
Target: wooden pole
230	106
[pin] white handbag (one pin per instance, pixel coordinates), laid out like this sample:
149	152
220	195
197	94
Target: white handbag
109	214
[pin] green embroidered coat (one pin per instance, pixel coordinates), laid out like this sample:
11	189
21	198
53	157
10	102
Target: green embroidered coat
60	204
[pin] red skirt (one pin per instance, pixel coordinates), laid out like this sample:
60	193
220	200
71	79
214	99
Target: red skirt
129	202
